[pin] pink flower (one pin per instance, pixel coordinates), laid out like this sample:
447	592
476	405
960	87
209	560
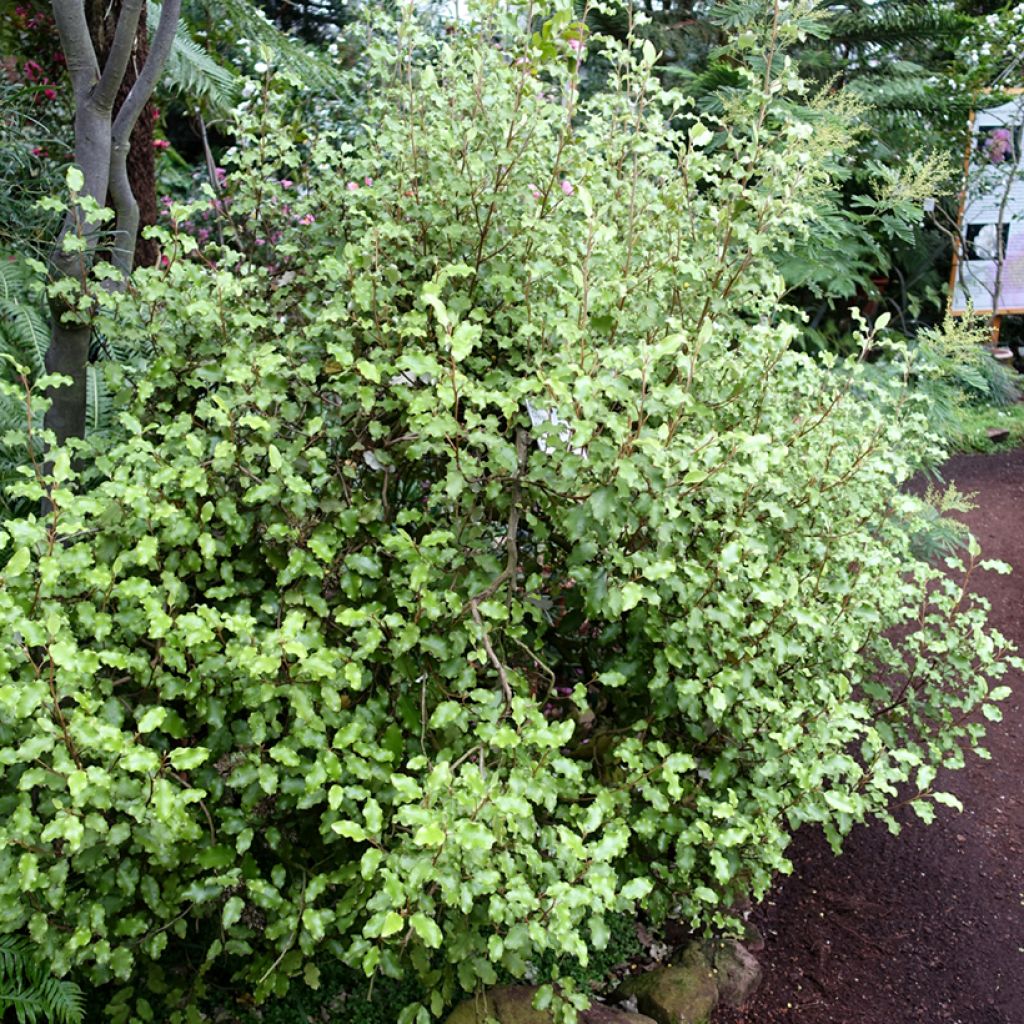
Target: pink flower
534	191
576	45
307	219
50	94
369	181
286	183
352	186
566	187
161	144
32	70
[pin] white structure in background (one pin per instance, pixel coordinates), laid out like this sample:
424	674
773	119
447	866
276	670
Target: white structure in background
538	417
988	268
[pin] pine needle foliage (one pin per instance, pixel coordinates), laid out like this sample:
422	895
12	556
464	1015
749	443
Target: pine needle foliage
30	993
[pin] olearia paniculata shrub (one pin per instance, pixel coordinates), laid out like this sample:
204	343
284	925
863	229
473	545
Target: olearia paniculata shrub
477	562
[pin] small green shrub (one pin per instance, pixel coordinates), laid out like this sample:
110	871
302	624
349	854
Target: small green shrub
477	561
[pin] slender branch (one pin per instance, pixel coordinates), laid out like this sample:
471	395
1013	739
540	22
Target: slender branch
120	53
163	40
126	207
511	566
76	42
506	686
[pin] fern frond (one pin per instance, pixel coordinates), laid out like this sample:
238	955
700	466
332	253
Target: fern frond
192	72
25	333
27	989
309	65
15	953
898	23
98	403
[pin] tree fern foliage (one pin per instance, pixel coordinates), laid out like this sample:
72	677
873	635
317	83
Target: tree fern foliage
24	333
193	72
888	65
29	993
239	28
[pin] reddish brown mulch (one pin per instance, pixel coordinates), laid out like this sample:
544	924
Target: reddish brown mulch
927	926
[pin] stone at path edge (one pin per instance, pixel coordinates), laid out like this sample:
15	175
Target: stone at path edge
514	1005
685	993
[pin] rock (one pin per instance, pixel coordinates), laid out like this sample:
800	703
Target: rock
737	972
684	993
997	434
601	1014
513	1004
752	938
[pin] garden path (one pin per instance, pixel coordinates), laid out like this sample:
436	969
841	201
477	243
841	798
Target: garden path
927	926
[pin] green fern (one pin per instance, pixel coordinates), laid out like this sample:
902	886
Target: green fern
31	992
24	333
192	72
234	20
897	23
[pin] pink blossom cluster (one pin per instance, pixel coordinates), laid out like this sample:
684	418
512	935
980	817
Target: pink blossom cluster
38	35
565	185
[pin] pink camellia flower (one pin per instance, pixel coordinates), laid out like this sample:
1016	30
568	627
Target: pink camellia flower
50	94
161	144
369	181
352	186
566	187
307	219
575	45
534	191
286	183
33	72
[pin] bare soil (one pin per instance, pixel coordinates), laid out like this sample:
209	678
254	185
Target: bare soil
927	926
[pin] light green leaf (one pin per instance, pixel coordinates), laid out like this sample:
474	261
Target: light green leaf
427	929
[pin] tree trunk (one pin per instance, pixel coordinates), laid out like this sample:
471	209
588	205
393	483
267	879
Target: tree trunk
141	158
101	154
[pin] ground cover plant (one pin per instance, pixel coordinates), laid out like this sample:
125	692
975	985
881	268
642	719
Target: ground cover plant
477	558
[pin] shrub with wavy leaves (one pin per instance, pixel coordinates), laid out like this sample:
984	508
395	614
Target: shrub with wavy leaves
477	559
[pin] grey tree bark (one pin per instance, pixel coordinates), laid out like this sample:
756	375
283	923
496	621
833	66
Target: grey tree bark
101	151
